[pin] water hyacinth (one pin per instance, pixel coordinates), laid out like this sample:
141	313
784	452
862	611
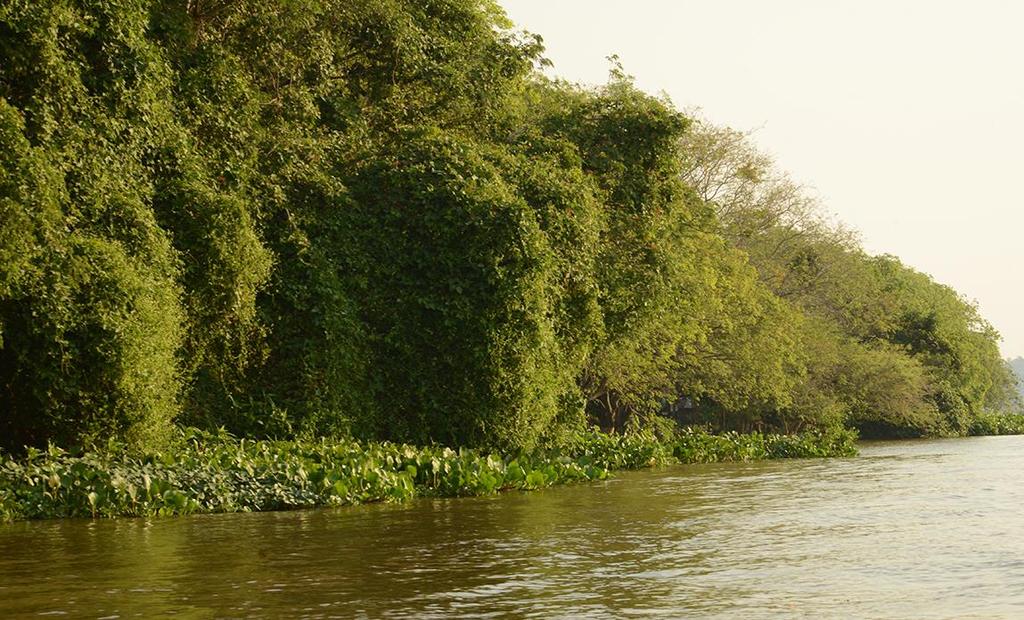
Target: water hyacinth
694	445
217	473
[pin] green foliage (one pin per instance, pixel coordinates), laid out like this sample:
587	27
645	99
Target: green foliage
881	347
458	298
948	336
997	424
373	219
89	313
695	445
660	279
89	350
216	473
888	392
746	356
203	145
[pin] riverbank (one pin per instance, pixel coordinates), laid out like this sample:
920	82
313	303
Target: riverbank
218	473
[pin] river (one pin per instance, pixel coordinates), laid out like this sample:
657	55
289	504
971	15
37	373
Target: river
916	529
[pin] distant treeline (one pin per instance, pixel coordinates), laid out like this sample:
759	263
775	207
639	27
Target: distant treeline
376	219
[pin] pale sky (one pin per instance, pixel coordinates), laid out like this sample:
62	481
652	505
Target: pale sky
906	116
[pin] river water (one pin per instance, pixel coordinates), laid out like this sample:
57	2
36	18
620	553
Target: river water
925	529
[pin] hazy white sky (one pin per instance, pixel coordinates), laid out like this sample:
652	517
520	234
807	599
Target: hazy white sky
906	116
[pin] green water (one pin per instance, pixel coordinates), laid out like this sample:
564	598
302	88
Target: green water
907	530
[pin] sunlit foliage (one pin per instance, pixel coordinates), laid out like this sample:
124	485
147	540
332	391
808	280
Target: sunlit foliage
375	219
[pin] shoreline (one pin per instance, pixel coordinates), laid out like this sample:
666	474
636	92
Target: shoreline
220	474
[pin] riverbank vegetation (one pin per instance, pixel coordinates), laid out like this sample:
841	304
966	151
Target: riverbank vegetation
997	424
378	221
207	473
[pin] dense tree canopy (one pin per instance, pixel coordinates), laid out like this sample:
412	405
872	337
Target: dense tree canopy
375	218
887	348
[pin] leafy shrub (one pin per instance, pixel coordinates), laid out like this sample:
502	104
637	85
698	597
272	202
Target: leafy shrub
456	275
89	322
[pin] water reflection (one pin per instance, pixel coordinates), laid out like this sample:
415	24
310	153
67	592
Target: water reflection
924	529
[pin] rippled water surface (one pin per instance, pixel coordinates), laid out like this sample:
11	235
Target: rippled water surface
906	530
